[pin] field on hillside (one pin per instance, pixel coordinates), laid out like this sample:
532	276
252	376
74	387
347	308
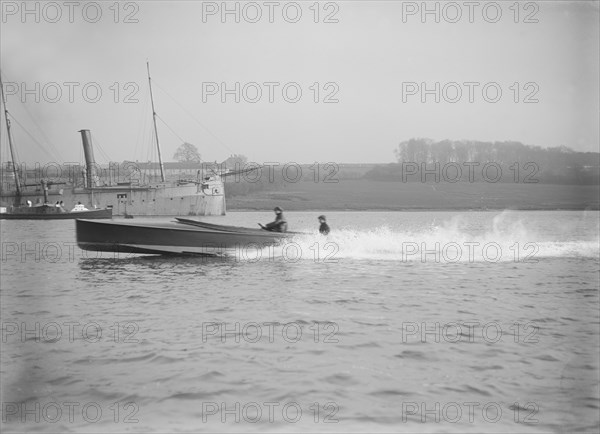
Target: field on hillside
374	195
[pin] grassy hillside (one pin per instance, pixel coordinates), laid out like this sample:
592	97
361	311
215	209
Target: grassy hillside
374	195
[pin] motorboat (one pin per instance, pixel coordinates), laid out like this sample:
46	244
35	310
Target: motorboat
183	236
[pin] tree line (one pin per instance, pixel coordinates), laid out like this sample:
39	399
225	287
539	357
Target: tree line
475	161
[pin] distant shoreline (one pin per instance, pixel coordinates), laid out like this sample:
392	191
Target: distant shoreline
364	195
412	209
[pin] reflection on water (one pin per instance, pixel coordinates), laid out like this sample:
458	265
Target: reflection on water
372	341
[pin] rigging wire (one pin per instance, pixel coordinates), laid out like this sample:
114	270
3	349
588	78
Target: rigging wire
193	118
3	140
4	148
45	137
98	146
142	130
32	138
6	112
40	130
170	129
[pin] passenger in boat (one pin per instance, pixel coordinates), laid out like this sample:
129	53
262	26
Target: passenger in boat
279	225
324	227
57	204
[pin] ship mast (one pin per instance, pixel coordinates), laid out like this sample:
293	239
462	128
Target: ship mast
160	162
10	145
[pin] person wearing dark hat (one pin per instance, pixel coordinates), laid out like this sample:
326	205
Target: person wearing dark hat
279	225
324	228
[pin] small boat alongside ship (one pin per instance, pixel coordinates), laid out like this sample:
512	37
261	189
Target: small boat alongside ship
47	211
52	212
183	237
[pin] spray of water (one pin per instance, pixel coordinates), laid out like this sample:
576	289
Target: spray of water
506	239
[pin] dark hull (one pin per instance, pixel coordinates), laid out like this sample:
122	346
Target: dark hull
169	238
45	215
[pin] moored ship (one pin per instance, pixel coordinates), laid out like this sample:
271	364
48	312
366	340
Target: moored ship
201	195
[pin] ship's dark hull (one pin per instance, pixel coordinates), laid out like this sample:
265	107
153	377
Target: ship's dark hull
170	238
50	213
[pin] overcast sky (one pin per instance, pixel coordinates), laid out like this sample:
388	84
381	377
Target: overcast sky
369	61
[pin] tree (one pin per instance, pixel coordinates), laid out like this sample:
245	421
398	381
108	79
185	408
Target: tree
235	162
187	153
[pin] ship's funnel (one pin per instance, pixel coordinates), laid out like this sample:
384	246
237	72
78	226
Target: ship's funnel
90	162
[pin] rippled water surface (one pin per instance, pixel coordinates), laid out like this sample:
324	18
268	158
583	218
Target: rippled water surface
395	322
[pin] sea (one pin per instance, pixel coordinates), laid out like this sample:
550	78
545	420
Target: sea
460	321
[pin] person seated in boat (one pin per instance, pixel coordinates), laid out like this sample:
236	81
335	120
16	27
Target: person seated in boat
279	225
57	204
324	227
